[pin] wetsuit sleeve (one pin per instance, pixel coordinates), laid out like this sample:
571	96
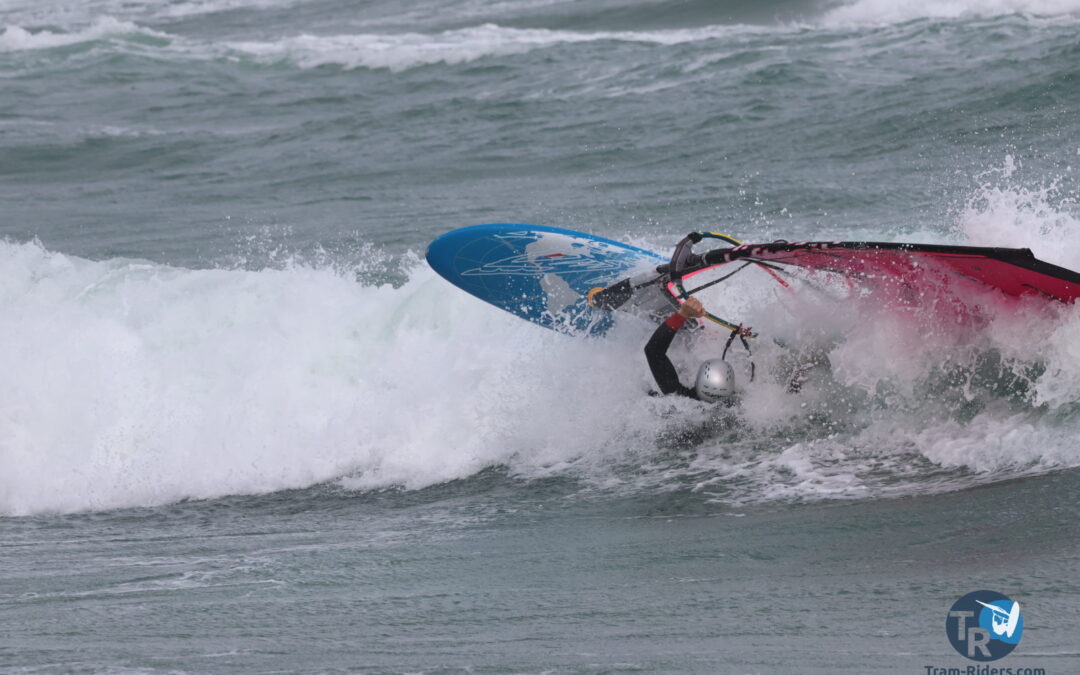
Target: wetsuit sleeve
659	363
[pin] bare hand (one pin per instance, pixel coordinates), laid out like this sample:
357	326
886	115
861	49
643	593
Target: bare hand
692	309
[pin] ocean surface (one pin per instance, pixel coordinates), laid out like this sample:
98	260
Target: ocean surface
245	429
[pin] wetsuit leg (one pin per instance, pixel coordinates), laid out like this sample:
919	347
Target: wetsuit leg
656	353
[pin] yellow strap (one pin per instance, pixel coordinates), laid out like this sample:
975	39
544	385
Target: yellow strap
727	238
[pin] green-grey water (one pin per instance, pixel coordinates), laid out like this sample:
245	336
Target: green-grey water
243	427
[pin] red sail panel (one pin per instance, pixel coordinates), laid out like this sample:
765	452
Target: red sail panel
926	271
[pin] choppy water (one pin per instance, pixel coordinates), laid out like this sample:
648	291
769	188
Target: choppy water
243	428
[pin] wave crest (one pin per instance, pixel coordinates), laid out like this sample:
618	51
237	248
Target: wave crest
408	50
882	12
15	38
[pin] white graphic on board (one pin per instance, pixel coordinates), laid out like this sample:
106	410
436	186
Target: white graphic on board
555	254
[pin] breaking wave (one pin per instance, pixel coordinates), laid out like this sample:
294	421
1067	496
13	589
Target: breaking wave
131	383
16	38
881	12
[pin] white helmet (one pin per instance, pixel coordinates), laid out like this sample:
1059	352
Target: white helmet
715	381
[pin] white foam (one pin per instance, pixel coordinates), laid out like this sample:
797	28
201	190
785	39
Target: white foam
393	51
129	383
408	50
1005	212
15	38
879	12
892	424
200	7
73	15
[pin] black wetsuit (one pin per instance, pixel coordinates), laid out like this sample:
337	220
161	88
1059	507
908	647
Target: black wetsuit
659	363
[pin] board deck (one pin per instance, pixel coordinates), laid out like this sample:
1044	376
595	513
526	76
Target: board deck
538	273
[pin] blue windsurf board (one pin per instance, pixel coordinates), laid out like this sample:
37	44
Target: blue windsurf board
538	273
